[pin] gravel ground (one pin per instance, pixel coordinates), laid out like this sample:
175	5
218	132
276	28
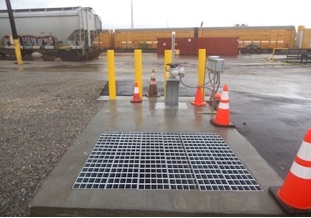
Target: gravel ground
42	112
45	107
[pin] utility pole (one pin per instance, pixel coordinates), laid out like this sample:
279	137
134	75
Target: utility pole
202	28
14	33
132	15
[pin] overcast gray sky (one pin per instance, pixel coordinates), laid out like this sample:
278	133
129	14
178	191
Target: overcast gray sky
186	13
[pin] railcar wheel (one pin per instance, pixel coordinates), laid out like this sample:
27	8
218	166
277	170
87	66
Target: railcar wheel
243	51
258	51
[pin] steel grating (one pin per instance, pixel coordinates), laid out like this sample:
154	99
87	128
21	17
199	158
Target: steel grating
183	161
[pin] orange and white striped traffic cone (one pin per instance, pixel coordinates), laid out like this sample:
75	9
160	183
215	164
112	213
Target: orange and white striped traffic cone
295	194
217	96
222	118
153	90
136	96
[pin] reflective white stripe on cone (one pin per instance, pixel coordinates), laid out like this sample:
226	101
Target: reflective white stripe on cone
296	189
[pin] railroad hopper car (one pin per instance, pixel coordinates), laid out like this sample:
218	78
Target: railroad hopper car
68	33
250	39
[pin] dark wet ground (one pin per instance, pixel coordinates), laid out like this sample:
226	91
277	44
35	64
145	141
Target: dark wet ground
46	104
275	126
270	101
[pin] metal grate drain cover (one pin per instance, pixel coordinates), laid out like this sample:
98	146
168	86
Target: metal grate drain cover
145	160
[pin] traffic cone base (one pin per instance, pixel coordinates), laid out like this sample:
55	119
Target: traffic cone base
153	91
136	96
274	191
151	96
136	101
198	101
221	125
295	194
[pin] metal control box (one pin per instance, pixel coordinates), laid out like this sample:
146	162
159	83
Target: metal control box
215	64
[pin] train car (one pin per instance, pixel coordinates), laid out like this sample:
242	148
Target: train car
146	38
105	39
224	46
303	39
68	33
255	39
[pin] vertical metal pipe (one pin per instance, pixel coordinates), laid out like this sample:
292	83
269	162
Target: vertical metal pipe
14	33
81	28
214	91
111	75
132	15
138	70
173	46
88	14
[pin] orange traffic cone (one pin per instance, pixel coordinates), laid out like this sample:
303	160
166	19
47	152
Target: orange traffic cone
218	96
153	90
198	101
136	97
217	99
295	194
222	118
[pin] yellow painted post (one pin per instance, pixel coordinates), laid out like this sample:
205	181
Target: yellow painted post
201	69
111	75
167	60
273	51
139	70
17	51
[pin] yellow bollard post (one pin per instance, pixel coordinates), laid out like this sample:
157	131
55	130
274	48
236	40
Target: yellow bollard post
273	51
201	69
167	60
17	51
111	75
139	71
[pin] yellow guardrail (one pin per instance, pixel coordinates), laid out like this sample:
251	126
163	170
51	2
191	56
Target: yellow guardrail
274	49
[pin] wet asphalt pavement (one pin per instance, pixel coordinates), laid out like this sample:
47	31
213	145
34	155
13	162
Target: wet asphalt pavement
270	104
270	101
274	126
272	109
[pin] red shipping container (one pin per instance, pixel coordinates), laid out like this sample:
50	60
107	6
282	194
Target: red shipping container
186	46
226	46
163	44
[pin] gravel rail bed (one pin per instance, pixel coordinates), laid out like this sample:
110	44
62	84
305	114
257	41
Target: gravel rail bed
42	112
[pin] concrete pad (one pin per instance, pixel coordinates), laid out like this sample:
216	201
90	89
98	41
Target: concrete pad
57	198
